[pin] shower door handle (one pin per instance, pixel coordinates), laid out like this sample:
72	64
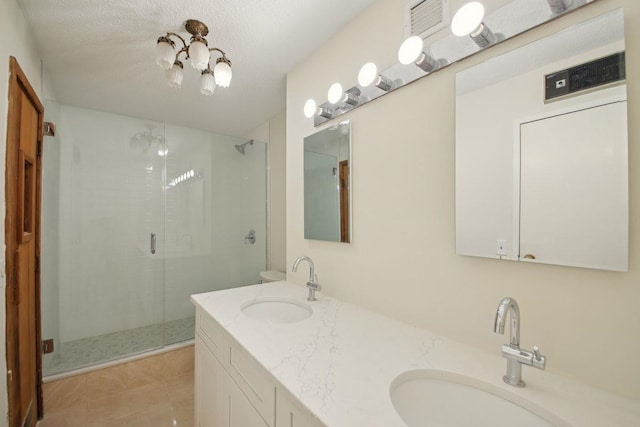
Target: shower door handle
153	243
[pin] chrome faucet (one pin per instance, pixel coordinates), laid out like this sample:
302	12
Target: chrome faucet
516	357
312	284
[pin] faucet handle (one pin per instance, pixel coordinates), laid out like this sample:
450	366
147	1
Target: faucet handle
536	352
538	361
314	284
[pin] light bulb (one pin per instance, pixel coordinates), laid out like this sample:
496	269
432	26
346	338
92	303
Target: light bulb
410	50
165	53
199	54
367	74
175	75
335	93
207	83
310	108
222	73
467	19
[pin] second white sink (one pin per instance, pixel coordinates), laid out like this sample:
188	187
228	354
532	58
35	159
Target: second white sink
443	399
276	309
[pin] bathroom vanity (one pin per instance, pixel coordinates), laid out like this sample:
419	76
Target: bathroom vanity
267	357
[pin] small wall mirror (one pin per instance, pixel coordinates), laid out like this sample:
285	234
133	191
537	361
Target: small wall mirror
541	151
327	196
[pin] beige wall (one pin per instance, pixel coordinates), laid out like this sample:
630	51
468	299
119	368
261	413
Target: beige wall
402	261
277	191
16	41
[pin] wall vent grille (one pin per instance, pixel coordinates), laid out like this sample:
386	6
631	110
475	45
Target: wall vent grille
425	17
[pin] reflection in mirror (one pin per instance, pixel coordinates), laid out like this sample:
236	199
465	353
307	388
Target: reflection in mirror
327	199
541	151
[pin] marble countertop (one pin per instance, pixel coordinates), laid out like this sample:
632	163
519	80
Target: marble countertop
341	361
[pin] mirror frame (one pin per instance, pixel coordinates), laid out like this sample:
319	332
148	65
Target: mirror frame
349	218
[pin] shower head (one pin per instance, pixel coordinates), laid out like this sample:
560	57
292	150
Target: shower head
240	147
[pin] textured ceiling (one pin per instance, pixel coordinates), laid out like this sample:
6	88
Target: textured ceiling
100	54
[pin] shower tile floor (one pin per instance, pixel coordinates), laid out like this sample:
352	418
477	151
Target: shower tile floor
103	348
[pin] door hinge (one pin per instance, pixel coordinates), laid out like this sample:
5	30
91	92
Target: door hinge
47	346
49	129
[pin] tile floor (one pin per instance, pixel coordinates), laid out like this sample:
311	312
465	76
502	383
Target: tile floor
156	391
92	350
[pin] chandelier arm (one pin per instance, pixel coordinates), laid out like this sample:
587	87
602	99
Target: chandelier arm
184	50
184	43
211	49
224	55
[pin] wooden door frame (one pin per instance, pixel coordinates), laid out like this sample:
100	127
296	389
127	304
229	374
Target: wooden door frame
18	83
345	218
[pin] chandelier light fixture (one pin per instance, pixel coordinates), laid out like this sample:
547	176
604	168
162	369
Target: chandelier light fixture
198	53
145	140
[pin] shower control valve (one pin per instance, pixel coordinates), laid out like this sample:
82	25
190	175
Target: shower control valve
250	237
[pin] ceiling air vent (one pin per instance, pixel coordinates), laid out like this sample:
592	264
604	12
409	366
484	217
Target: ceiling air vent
425	17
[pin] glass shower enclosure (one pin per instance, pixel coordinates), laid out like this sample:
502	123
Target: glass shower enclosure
138	215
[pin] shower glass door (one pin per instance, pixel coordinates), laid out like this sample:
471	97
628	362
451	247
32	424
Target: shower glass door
215	195
103	204
112	185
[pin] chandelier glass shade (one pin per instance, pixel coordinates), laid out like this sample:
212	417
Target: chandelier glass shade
175	75
207	83
165	52
222	73
198	52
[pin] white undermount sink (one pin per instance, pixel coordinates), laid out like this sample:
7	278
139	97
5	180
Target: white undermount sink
444	399
276	309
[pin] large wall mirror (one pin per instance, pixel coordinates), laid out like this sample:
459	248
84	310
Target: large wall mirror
541	151
327	198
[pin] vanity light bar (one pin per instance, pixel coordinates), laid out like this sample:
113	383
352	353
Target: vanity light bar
188	176
415	61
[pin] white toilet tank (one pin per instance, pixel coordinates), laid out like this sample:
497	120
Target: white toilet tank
272	276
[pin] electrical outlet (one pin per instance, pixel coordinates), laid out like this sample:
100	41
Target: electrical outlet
501	247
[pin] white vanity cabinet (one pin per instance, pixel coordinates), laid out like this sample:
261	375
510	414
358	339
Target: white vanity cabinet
232	389
210	399
290	413
219	401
